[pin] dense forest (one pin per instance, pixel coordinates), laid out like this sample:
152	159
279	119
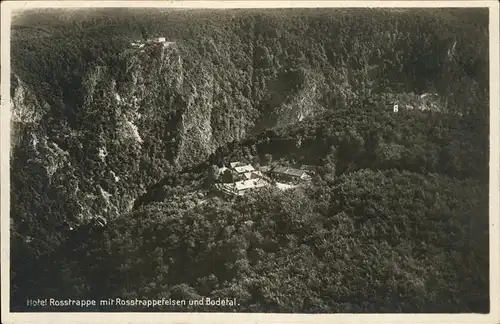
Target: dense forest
394	220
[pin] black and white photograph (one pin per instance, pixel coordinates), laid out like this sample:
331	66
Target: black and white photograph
283	160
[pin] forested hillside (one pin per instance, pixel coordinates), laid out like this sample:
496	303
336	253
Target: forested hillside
396	218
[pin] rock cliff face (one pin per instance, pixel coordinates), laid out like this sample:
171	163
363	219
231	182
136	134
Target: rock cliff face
137	122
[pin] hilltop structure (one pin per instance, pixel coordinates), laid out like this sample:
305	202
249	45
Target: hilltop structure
290	174
244	169
239	178
310	168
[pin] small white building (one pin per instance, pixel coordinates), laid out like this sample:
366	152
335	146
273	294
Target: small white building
242	186
285	186
161	39
252	175
244	169
239	188
395	108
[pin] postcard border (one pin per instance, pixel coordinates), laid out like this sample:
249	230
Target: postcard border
9	7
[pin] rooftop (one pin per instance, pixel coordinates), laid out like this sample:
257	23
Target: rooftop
244	168
234	164
248	184
290	171
253	175
243	185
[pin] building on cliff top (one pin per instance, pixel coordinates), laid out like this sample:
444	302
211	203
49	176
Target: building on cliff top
137	44
240	188
234	164
253	175
244	168
290	174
